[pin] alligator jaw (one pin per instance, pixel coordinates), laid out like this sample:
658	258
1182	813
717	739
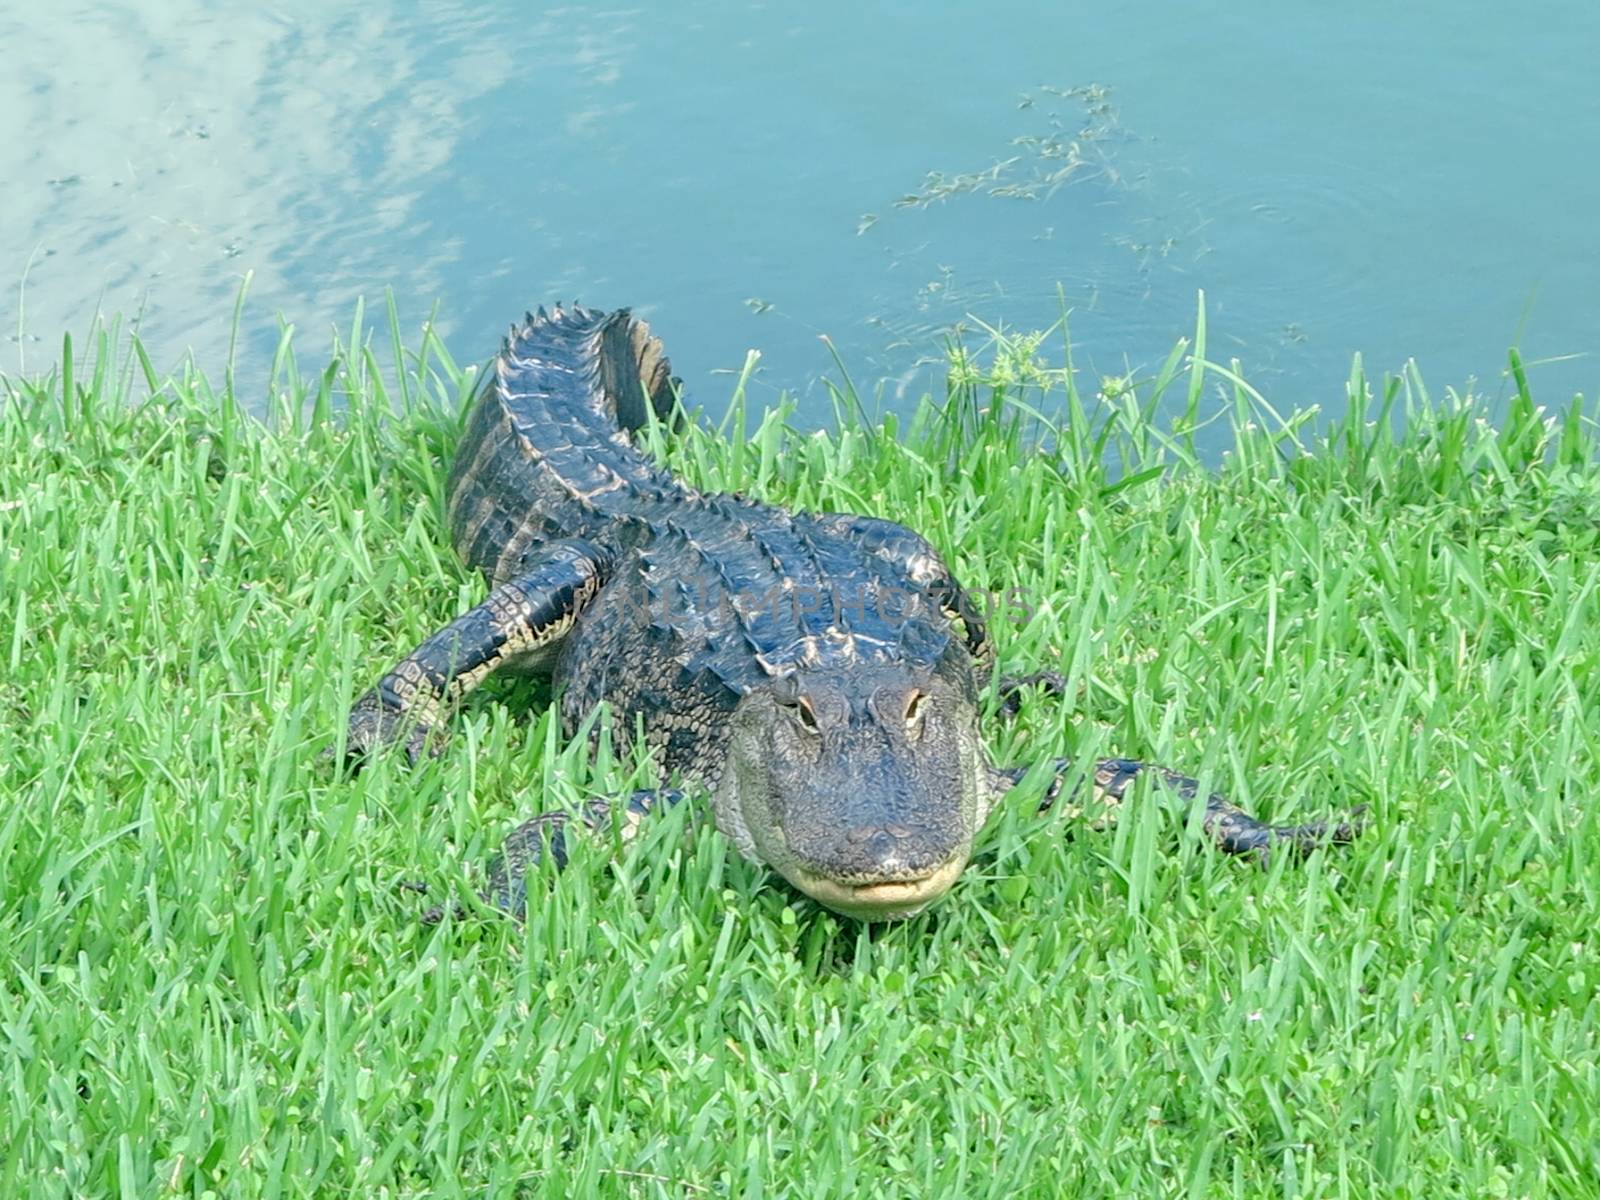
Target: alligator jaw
889	901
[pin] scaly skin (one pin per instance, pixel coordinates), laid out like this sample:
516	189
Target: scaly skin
815	675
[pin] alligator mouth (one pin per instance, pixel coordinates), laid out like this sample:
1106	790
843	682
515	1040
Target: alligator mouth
890	900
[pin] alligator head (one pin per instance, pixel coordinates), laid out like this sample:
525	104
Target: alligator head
862	786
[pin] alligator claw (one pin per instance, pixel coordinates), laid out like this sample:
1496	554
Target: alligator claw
524	849
1301	840
1009	689
373	729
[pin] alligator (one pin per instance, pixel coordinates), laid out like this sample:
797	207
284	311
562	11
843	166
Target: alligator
817	676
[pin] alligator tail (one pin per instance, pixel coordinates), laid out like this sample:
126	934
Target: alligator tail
609	359
547	451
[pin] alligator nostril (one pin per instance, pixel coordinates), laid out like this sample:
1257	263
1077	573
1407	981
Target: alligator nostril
878	843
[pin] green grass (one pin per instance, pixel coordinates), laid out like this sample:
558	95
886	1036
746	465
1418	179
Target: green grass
213	986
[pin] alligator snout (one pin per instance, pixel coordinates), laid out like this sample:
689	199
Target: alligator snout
887	852
899	891
882	871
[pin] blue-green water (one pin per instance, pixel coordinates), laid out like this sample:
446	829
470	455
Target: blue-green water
1403	180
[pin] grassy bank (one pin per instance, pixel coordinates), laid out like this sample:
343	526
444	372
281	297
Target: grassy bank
212	984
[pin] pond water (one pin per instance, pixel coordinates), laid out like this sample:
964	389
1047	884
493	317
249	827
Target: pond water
1417	180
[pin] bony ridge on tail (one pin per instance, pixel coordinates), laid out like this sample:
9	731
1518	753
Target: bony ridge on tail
816	675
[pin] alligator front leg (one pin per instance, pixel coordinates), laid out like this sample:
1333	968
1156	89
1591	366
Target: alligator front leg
546	836
520	620
1229	826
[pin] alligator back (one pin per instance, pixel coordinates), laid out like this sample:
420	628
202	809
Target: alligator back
547	451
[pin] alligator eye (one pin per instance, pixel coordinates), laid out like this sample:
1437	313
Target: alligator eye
914	706
804	713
